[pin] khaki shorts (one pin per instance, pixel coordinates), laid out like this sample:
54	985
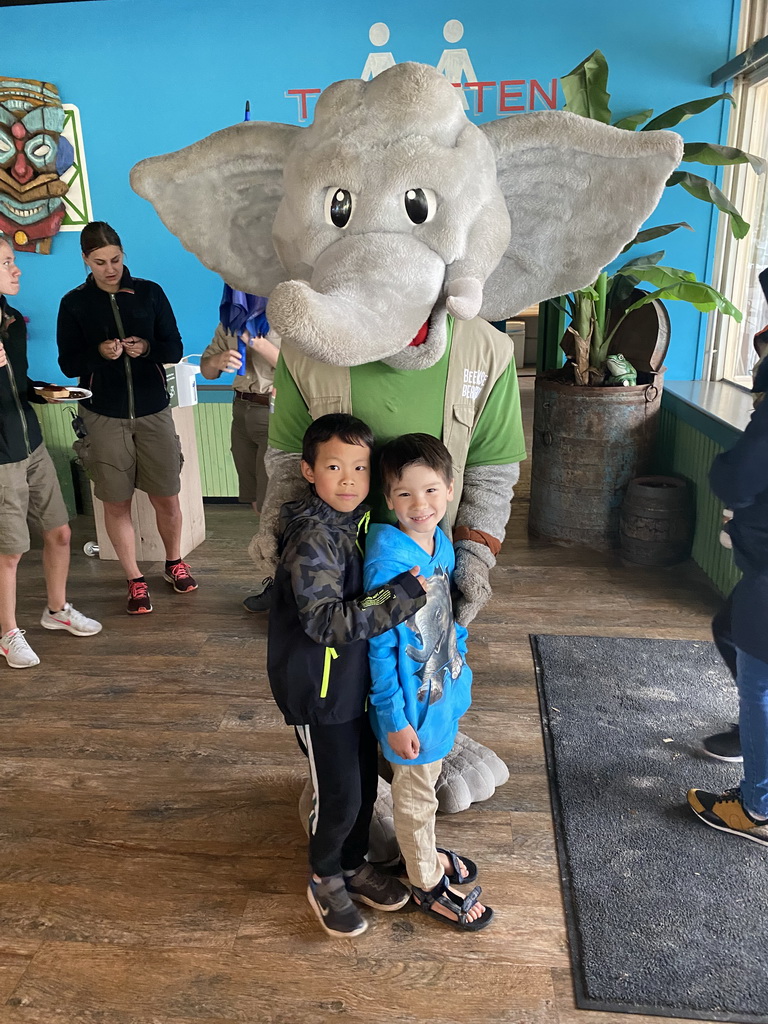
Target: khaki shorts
250	427
121	455
29	493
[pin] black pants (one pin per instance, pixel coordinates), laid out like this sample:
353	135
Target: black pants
721	634
343	762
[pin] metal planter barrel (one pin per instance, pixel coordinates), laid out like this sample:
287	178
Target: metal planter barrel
657	521
588	443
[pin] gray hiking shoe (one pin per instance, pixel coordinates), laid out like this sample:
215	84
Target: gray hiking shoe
335	910
384	892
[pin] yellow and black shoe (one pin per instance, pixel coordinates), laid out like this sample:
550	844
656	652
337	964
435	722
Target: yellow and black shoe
726	812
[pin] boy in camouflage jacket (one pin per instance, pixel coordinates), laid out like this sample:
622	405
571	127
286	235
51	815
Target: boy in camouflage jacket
319	625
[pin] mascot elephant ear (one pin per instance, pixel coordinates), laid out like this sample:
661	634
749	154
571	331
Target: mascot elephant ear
219	196
577	191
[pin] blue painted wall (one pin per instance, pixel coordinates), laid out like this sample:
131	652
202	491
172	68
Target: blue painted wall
151	76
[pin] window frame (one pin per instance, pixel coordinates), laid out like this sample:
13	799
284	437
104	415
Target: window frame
734	272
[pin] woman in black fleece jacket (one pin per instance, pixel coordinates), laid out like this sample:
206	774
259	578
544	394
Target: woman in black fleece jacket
114	333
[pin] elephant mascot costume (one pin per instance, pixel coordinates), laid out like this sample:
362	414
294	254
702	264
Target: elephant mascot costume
386	235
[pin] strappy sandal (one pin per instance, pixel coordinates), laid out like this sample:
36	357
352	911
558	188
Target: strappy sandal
455	877
426	899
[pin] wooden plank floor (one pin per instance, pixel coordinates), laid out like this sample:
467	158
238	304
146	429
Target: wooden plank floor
152	866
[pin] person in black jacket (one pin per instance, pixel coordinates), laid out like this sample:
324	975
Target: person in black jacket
114	333
319	624
726	746
29	488
739	477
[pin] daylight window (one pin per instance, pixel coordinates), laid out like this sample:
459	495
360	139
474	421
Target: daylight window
731	355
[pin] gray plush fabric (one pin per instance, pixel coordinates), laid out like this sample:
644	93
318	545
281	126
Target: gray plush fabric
285	483
517	210
575	188
485	503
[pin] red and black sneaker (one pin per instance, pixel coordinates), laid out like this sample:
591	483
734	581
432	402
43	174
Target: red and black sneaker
180	578
138	598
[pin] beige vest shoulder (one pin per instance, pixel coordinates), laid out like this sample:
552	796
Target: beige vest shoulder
479	356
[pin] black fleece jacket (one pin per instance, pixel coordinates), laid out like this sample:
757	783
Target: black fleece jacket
19	427
739	477
125	386
320	619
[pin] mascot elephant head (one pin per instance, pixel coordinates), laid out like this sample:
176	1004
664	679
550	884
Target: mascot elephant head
393	209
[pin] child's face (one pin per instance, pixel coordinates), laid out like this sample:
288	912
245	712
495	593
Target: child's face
419	499
341	474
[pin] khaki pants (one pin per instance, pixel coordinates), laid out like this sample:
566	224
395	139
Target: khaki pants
29	493
250	428
120	455
415	807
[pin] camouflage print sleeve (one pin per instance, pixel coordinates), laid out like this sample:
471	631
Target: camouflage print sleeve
317	571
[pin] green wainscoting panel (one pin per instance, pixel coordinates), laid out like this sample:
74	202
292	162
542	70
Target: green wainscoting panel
56	425
212	425
684	451
213	422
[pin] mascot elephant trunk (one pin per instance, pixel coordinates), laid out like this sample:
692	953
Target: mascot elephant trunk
367	299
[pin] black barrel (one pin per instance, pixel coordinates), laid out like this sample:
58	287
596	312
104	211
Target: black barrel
656	522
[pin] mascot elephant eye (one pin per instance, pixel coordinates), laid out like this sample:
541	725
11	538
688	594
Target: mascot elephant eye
338	206
420	204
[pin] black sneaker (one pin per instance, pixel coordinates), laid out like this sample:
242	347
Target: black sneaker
726	812
260	602
384	892
725	746
180	578
335	910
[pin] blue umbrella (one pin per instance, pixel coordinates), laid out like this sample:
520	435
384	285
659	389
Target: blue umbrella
239	311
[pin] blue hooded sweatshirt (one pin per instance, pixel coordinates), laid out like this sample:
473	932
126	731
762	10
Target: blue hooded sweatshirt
418	669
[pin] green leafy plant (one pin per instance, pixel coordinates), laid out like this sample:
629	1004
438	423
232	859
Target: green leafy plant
594	311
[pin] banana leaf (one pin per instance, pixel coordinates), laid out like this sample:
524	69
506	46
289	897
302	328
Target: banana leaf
712	154
650	233
568	310
708	192
624	283
659	277
586	89
633	121
676	115
702	296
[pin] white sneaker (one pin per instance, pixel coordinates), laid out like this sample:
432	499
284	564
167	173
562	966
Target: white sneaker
72	620
17	651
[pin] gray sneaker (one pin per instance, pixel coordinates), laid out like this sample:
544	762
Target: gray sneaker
72	620
16	650
335	910
371	886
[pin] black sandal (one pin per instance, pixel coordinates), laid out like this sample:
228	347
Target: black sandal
426	899
455	877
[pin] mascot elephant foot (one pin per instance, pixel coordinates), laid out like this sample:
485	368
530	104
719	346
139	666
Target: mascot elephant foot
478	753
470	773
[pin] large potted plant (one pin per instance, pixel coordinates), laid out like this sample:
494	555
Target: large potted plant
595	417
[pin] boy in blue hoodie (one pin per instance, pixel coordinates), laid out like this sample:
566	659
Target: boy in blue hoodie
317	661
420	679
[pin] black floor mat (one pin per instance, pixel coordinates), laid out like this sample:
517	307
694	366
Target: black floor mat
665	915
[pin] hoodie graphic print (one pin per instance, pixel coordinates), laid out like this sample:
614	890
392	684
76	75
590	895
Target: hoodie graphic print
418	669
